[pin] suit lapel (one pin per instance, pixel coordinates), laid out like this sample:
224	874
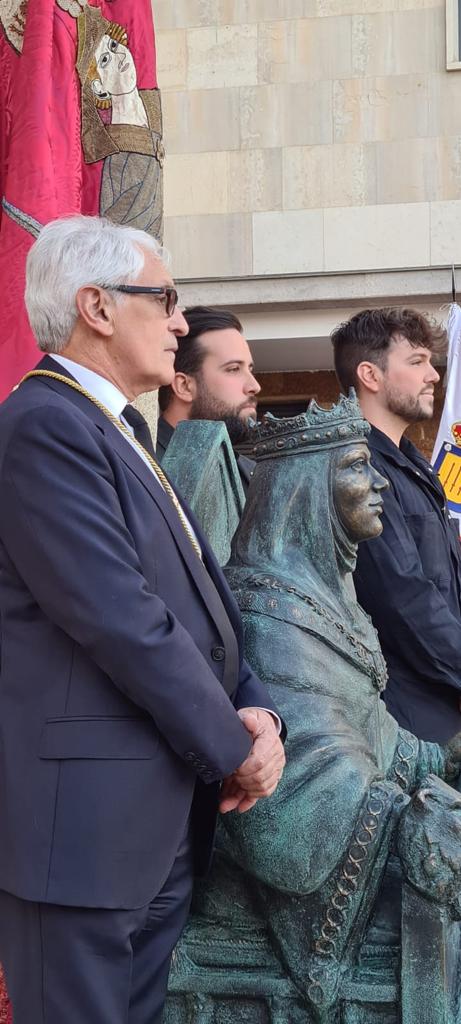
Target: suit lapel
207	587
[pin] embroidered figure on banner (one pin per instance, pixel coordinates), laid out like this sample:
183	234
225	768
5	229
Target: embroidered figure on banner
121	125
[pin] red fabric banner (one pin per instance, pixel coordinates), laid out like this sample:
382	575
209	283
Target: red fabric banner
5	1008
80	131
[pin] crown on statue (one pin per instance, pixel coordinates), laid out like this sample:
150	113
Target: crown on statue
312	430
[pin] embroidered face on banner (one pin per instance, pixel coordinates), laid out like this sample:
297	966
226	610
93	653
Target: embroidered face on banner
115	67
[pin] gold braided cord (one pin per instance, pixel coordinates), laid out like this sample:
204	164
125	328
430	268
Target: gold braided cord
142	451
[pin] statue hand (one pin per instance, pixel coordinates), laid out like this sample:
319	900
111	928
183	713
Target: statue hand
429	843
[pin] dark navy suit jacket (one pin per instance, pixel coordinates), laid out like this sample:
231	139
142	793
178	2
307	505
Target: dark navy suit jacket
409	580
121	662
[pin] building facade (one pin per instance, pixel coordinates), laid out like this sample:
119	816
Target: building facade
313	165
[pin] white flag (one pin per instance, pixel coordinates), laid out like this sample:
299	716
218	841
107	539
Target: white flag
446	456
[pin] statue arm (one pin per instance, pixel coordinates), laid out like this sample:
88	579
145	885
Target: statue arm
415	759
328	779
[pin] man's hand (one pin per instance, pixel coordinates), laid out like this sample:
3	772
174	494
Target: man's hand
259	775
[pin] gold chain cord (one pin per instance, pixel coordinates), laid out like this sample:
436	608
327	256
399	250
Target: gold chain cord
121	426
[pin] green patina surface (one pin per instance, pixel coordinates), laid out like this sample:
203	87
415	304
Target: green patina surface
336	900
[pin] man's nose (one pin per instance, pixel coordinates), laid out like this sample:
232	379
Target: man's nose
434	376
252	387
178	323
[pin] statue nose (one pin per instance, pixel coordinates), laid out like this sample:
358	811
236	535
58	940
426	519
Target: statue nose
380	483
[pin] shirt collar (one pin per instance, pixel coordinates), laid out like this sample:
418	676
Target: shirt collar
400	454
97	386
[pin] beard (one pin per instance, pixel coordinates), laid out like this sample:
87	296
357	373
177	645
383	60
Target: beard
409	408
206	407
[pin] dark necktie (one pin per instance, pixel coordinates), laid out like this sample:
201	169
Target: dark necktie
140	428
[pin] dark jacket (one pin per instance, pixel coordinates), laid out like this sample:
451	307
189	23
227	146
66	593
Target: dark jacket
121	662
164	434
409	580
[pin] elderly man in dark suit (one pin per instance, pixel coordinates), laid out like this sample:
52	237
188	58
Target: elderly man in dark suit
124	697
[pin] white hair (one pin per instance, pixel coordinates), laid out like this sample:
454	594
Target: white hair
70	253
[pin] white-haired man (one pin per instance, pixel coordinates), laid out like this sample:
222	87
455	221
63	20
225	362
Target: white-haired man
123	694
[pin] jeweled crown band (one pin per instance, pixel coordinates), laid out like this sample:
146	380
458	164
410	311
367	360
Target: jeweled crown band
312	430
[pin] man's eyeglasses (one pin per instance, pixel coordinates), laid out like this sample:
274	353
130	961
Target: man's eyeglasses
168	295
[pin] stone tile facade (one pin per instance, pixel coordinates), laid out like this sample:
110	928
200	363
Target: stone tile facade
308	136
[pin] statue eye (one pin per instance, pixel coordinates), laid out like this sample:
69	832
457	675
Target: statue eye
104	59
113	45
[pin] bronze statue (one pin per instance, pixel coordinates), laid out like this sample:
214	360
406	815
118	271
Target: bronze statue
319	899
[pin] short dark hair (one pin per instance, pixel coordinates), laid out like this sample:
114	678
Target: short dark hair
191	353
368	336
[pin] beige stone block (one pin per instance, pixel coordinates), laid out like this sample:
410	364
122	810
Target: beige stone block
444	103
418	170
446	232
329	8
448	162
304	50
196	183
399	42
288	242
184	13
202	120
222	57
377	237
392	107
255	180
323	176
246	11
286	115
210	246
171	59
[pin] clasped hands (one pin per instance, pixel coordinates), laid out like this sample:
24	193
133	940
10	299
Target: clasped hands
259	774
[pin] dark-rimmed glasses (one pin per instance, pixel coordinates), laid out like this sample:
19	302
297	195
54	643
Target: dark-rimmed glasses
167	293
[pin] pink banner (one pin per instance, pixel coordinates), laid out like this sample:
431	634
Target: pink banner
81	131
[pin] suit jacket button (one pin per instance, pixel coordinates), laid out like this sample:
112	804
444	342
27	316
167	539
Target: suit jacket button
218	653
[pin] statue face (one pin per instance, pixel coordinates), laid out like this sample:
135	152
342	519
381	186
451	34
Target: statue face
115	66
357	488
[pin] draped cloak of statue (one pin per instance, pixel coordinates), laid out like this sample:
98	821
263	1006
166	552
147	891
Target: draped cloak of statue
319	852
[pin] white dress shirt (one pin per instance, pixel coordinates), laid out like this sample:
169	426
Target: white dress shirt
105	392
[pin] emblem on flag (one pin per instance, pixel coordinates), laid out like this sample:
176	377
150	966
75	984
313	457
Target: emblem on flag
448	468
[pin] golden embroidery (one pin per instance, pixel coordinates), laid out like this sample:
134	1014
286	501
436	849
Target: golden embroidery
13	21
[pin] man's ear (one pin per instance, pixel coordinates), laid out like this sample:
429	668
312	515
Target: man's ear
184	387
96	308
369	377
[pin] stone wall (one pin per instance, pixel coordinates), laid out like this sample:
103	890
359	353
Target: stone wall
308	136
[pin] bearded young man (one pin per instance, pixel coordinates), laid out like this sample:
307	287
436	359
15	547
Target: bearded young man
213	380
409	578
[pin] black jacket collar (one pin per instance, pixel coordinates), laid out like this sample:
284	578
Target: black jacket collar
402	454
164	434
